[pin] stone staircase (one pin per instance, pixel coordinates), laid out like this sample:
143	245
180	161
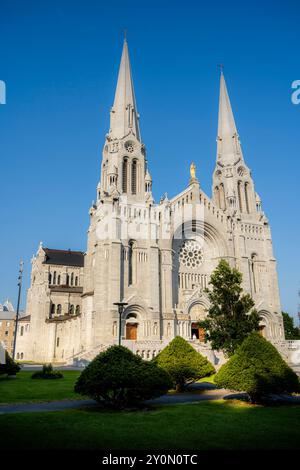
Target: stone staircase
83	358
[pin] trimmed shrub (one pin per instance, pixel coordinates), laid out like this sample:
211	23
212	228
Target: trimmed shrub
47	373
258	369
10	367
118	378
183	363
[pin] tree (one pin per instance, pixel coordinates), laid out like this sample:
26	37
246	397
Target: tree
118	378
290	331
258	369
231	316
183	363
10	367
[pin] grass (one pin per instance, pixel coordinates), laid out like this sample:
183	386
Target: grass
24	389
210	379
202	426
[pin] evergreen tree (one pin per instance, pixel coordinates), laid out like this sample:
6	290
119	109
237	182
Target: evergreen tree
231	316
290	331
183	363
258	369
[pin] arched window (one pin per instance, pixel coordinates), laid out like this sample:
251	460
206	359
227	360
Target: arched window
72	279
22	355
18	355
124	175
49	278
240	195
67	279
217	196
222	197
254	273
247	197
57	342
76	281
52	309
130	262
77	310
71	310
58	279
22	331
58	309
54	277
133	176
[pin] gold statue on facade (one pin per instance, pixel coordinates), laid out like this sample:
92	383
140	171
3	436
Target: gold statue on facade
193	178
193	171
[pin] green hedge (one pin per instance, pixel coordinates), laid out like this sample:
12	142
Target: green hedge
118	378
258	369
183	363
10	367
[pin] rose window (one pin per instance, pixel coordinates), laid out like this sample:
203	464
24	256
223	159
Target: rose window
191	254
129	146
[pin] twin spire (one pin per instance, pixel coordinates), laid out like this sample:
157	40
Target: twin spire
124	117
229	149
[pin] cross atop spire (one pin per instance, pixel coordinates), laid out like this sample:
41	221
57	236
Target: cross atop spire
228	140
124	116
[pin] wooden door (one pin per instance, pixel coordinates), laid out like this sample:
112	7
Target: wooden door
198	332
131	331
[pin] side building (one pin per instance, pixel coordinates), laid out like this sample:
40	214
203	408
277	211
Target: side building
54	301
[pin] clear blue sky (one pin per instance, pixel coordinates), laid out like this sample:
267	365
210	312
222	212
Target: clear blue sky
60	59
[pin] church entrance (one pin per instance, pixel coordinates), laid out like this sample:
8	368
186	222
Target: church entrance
198	333
131	331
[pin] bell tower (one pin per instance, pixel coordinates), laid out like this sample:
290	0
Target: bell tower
233	187
124	165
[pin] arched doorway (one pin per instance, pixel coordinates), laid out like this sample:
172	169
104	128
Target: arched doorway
131	325
197	313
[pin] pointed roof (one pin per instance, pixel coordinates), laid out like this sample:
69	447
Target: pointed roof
124	115
228	140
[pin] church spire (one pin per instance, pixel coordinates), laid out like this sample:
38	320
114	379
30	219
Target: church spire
229	149
124	116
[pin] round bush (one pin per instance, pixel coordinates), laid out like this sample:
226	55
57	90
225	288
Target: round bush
258	369
183	363
118	378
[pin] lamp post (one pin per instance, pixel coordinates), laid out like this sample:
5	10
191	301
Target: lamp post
121	306
18	307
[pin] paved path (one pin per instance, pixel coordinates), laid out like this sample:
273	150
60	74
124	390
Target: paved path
199	392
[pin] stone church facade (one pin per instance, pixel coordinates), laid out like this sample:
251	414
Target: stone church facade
157	258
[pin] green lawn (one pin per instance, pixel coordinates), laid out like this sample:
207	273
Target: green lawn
207	425
24	389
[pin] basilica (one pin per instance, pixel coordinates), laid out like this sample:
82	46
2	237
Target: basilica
157	258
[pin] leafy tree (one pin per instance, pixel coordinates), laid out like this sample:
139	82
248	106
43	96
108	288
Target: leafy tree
258	369
118	378
290	331
183	363
10	367
231	316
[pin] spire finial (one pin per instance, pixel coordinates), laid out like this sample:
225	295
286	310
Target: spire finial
221	67
124	116
125	35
